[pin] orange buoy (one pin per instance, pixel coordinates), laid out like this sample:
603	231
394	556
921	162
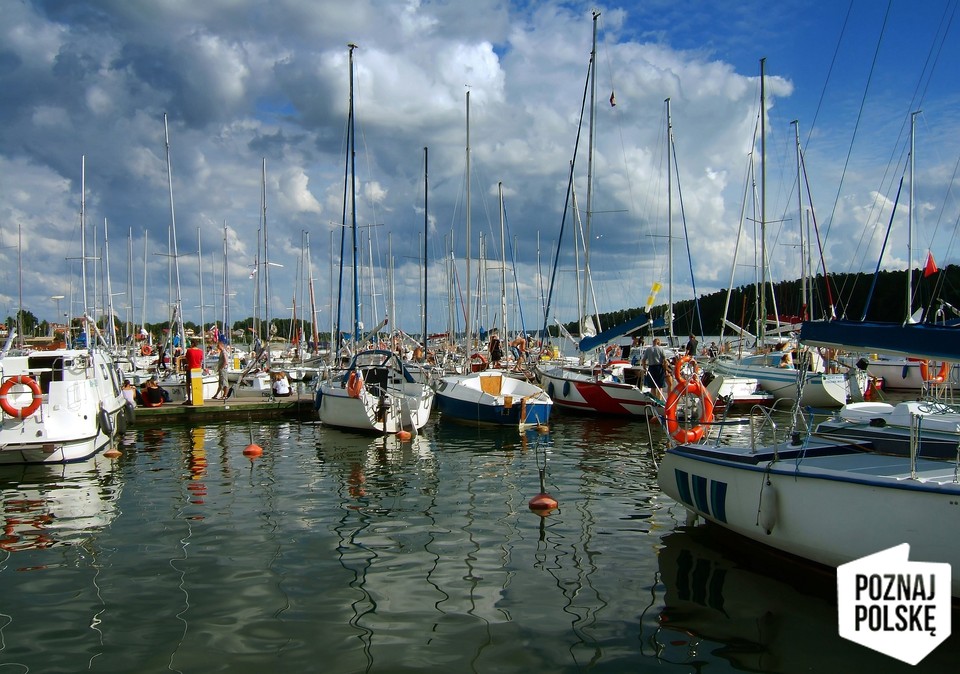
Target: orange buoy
112	453
543	503
252	451
403	436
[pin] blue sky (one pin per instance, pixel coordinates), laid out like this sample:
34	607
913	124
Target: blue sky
242	81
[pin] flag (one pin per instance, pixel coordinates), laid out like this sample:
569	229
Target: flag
214	333
613	100
930	268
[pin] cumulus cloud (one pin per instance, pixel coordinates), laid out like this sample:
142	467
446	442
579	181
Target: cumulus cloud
243	84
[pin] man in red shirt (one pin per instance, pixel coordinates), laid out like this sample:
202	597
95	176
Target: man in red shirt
194	361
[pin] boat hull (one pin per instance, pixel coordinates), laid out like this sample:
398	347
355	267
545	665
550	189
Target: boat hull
81	409
819	389
493	399
575	392
829	503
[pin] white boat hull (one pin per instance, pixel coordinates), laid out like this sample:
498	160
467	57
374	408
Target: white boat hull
80	411
831	506
819	389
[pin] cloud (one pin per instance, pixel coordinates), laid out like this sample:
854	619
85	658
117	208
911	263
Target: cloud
242	83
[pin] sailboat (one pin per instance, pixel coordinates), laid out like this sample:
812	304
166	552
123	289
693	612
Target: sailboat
808	382
611	387
375	392
492	397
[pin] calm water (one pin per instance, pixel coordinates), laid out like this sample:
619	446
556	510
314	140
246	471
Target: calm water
339	553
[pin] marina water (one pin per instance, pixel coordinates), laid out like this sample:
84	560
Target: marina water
336	552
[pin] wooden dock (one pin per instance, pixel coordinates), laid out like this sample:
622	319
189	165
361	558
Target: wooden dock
297	406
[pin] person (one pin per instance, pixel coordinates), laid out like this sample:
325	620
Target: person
519	348
495	348
655	360
692	346
193	360
281	385
223	386
786	361
713	350
151	395
129	392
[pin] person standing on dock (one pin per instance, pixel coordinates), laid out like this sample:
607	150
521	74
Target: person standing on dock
223	386
194	361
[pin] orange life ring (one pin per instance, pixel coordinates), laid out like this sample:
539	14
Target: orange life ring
145	350
942	373
20	412
688	435
678	368
354	384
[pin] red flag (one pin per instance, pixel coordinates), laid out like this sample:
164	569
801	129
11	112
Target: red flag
613	100
930	267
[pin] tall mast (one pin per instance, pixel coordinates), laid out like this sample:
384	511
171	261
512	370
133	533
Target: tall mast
83	231
314	329
469	235
803	263
913	124
178	305
426	222
669	225
353	206
503	266
591	138
761	333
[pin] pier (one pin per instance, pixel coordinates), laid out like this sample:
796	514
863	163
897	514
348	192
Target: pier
296	406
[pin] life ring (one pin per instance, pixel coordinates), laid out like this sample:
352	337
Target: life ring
354	384
688	435
678	368
942	373
146	350
20	412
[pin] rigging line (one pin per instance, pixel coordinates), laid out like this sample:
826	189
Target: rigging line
686	236
856	127
833	62
566	205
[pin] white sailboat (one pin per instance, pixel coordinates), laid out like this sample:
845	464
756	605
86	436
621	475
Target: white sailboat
376	392
808	383
491	397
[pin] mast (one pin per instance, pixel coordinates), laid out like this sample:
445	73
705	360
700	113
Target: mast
503	267
762	328
173	241
111	332
351	150
203	326
590	151
426	222
468	302
669	226
314	330
909	274
226	288
83	231
803	264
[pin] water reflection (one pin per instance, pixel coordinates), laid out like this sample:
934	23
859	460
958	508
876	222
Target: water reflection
59	504
760	611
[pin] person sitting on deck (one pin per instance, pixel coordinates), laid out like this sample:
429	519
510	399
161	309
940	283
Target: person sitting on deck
281	385
151	395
